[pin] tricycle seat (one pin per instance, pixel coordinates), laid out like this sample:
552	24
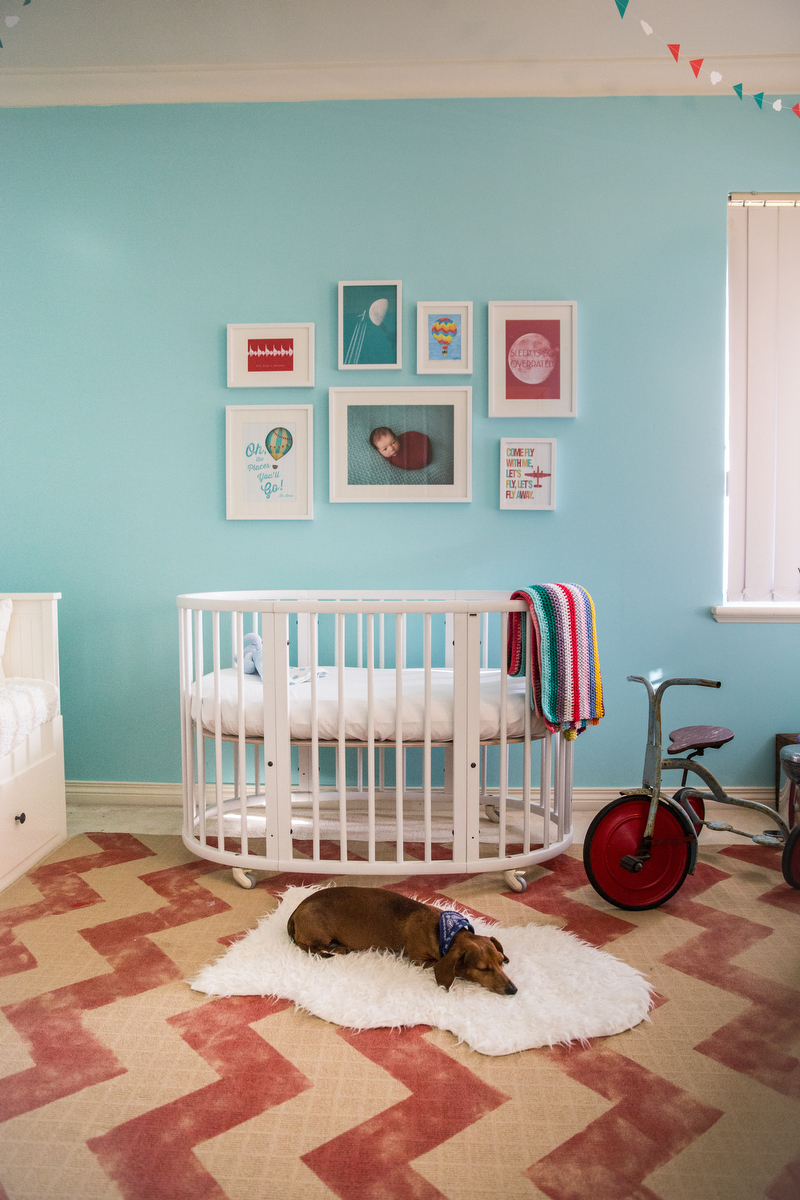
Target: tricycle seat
698	737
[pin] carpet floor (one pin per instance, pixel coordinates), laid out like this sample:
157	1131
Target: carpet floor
117	1080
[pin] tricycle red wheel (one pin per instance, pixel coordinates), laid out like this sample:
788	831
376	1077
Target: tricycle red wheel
685	796
616	832
791	858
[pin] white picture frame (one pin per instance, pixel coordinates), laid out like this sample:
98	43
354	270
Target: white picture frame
528	473
275	355
444	337
432	428
532	358
266	479
370	325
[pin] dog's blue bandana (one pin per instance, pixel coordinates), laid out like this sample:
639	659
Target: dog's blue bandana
449	924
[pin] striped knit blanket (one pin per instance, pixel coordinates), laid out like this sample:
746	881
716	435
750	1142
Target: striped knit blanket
566	687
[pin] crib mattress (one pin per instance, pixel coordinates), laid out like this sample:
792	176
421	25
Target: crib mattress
25	704
355	689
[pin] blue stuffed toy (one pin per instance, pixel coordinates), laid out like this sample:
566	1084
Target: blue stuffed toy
254	657
253	654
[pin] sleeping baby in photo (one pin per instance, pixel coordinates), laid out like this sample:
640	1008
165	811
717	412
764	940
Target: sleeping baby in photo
409	451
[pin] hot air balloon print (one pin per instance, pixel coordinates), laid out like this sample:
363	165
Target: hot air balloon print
278	442
444	329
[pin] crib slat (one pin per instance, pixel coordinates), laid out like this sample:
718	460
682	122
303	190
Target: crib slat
218	784
341	759
526	749
426	734
503	735
187	727
565	808
241	745
371	737
399	753
558	776
544	786
314	639
199	783
466	736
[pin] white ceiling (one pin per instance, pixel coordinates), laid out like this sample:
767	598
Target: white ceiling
180	51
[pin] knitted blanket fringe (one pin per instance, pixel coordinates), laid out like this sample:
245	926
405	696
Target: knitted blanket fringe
566	688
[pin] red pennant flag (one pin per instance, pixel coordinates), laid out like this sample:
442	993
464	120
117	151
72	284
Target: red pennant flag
696	64
796	110
674	50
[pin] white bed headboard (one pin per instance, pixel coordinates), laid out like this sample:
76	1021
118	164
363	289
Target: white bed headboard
32	640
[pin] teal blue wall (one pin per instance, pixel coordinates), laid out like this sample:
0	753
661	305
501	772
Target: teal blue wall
132	236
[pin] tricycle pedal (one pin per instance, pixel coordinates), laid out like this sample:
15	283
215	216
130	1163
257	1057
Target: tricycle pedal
632	864
719	827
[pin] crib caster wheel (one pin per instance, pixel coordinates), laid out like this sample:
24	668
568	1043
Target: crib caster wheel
492	813
245	879
515	880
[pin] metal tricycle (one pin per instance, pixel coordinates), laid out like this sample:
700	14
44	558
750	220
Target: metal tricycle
640	848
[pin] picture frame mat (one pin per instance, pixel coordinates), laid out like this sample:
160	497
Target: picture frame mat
460	491
547	503
371	283
238	506
565	312
425	364
302	374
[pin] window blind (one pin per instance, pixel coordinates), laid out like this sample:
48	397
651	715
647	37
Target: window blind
764	397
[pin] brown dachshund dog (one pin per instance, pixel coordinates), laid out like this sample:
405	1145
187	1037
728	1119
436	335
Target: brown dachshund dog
336	920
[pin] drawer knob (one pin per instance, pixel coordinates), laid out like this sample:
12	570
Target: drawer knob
20	818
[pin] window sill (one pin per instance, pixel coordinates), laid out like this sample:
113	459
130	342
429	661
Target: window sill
779	611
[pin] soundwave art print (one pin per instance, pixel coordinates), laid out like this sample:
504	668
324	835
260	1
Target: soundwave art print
276	355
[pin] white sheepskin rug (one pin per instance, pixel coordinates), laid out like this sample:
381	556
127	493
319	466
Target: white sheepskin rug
568	991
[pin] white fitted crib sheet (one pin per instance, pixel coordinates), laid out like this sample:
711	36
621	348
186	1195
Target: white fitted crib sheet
25	704
355	688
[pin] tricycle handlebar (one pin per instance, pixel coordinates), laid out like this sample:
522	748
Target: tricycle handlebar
713	683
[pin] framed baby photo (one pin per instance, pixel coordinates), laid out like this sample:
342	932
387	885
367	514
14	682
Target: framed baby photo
444	337
274	356
532	358
269	466
370	325
528	473
400	445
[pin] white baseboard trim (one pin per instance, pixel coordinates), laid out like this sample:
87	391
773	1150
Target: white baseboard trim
99	792
157	795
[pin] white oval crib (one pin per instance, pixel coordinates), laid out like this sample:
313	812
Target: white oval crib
382	737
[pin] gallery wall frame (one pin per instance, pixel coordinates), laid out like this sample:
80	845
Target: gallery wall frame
269	462
370	325
532	358
275	355
427	430
528	473
444	337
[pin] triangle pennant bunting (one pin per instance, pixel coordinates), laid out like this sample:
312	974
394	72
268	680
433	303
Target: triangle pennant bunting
696	64
759	98
674	49
622	5
796	110
737	87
